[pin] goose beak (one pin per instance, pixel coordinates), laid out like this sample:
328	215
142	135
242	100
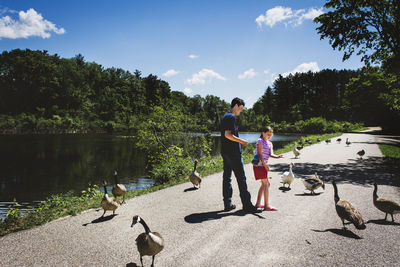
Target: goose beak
133	224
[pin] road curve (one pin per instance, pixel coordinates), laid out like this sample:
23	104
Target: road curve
304	231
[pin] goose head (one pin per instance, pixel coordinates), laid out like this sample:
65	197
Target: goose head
136	219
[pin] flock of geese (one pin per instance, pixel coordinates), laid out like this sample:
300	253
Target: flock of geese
151	243
148	243
344	209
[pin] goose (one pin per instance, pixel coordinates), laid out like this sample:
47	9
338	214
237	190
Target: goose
108	203
339	140
361	153
119	190
386	205
312	183
318	140
288	176
195	176
308	141
148	243
346	211
296	152
327	141
348	142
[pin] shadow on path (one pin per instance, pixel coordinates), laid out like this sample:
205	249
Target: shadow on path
190	189
342	232
215	215
101	219
383	222
382	171
132	264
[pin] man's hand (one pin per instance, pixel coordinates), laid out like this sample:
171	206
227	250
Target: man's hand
244	142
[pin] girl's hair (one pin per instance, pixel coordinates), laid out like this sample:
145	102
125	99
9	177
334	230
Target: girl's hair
265	129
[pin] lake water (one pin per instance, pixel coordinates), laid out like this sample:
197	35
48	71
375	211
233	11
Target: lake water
33	167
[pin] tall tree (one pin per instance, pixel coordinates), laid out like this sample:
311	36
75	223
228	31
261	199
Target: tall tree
369	28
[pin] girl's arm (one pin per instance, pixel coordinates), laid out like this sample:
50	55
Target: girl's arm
275	156
259	152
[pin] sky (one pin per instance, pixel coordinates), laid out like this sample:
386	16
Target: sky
225	48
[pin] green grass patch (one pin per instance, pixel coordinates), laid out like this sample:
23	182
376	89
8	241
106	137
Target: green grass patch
390	151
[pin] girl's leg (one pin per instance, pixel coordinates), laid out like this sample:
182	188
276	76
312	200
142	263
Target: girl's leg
266	185
260	194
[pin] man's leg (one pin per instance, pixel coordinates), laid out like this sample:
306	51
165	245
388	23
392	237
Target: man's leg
227	181
238	169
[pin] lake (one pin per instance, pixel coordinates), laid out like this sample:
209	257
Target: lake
33	167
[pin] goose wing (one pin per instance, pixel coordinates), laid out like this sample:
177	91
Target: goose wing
348	212
387	205
119	190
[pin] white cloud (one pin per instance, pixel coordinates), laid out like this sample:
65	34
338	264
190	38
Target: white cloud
248	74
170	73
187	90
270	76
29	23
287	15
203	75
304	67
191	56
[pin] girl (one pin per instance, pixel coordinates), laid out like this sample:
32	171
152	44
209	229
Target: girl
264	151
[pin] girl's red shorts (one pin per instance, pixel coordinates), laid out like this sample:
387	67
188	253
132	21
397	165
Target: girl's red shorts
260	172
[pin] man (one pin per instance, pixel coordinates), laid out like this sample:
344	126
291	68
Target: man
231	152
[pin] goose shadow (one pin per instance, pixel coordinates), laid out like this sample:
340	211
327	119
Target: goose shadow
101	219
215	215
190	189
309	194
132	264
284	189
383	222
342	232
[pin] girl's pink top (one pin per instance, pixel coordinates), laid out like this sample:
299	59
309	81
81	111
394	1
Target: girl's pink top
267	148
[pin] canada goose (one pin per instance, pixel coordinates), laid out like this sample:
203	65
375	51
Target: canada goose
327	141
148	243
119	190
386	205
318	140
296	152
361	153
348	142
288	176
339	140
108	203
312	183
300	147
195	176
347	211
308	141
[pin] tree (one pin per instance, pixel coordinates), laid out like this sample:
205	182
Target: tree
371	27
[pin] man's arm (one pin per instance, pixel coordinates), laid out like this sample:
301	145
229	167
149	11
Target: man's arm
230	136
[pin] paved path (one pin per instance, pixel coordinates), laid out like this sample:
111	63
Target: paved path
305	231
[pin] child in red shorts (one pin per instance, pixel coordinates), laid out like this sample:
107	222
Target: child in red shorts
264	150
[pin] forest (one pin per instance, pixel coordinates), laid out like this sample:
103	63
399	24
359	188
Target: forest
41	93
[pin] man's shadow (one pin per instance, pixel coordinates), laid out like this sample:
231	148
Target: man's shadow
101	219
215	215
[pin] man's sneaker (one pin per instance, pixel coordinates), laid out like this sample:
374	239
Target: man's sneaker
231	207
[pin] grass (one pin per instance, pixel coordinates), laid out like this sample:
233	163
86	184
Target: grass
62	205
390	151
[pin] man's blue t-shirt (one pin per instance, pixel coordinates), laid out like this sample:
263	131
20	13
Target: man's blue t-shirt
227	146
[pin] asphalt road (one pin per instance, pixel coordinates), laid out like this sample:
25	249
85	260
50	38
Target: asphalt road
304	231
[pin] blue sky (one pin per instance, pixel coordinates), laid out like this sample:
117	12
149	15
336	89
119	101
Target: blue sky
226	48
